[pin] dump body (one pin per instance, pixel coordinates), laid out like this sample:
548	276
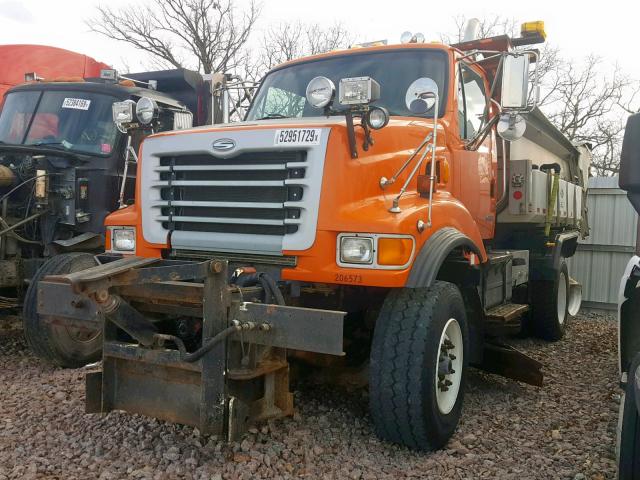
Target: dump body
44	61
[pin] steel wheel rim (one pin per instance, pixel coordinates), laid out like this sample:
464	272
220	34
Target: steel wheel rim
81	335
562	298
449	363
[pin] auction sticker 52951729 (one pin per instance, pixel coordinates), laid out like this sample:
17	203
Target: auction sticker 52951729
297	136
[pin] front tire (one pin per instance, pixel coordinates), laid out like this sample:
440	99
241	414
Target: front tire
549	305
59	345
629	448
417	369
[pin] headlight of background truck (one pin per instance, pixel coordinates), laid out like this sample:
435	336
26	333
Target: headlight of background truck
123	239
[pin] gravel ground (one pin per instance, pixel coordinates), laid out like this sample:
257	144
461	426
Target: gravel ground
509	431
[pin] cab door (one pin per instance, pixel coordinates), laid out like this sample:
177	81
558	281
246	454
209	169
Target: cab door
475	168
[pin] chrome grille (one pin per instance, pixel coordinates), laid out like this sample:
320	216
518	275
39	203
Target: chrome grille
252	193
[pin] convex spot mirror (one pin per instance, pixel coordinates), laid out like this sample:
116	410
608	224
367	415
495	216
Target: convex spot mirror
421	95
511	126
515	82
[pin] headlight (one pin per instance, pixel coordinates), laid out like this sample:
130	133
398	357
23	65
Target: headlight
123	111
320	91
182	120
123	239
356	250
359	90
377	118
146	110
379	251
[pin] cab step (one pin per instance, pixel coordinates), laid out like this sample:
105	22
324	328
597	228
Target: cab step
505	319
506	312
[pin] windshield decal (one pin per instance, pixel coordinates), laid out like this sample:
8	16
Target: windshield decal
76	103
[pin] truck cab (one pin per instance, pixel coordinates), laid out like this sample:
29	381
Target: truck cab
365	215
65	165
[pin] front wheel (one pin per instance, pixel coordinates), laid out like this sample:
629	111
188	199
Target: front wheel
417	369
60	345
629	446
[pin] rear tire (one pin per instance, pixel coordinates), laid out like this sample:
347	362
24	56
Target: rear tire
409	356
60	345
629	453
549	305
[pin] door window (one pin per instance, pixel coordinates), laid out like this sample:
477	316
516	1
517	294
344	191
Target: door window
471	102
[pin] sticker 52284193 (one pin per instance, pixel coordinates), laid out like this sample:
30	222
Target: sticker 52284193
76	103
297	136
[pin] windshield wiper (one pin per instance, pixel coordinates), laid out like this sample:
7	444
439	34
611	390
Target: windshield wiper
66	145
272	115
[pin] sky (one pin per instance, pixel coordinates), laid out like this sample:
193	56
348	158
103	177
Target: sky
577	28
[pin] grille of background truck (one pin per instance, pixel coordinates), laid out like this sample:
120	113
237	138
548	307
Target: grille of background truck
251	193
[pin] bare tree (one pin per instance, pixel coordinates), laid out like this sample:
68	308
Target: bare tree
583	94
489	27
205	35
585	100
290	40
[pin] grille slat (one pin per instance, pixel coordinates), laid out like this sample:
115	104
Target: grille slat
204	168
253	193
189	219
204	204
218	183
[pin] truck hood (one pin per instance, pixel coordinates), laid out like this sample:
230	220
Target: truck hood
226	194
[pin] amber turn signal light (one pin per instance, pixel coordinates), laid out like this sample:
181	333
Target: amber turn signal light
394	251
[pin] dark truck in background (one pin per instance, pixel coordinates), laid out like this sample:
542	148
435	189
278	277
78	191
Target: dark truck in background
629	318
67	159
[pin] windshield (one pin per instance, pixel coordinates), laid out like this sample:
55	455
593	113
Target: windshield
283	92
76	121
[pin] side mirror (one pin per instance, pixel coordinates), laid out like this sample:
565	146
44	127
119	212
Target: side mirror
515	82
629	179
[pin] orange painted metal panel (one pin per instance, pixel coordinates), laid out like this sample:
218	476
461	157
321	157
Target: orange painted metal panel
352	200
48	62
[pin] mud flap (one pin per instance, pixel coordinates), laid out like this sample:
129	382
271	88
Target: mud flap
574	299
506	361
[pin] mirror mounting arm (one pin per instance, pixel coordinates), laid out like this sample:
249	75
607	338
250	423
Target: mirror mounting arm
351	133
476	141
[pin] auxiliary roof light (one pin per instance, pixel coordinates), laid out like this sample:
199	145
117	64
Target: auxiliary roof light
320	91
408	37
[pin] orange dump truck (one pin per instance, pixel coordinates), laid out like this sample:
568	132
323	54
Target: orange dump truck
392	210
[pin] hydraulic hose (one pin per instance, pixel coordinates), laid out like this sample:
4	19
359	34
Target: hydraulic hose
24	183
266	281
9	230
271	291
204	349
